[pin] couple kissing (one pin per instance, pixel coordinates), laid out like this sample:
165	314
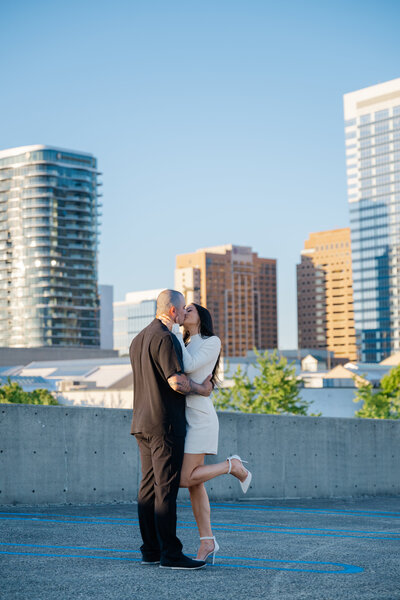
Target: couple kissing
175	425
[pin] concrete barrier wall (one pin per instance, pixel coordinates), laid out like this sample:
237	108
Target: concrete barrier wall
58	454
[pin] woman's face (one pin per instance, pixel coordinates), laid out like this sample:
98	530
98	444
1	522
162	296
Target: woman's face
192	316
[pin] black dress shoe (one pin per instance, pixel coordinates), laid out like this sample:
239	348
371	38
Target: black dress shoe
150	558
183	562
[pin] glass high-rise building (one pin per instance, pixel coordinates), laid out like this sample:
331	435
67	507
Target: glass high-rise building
372	126
49	212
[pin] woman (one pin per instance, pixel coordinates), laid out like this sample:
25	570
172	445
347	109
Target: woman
201	352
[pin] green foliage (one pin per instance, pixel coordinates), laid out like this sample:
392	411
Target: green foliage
383	403
12	393
237	397
275	389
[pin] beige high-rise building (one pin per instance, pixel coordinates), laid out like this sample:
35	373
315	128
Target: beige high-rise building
325	294
239	289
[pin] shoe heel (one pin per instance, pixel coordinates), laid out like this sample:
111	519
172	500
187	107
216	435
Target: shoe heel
243	484
216	548
246	483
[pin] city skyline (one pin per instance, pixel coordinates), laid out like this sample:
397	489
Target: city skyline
211	124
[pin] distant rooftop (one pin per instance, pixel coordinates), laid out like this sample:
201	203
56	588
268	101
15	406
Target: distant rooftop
141	296
12	357
21	149
226	248
81	363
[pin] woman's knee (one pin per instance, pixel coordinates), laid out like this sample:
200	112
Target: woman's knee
190	463
194	489
185	480
183	483
188	481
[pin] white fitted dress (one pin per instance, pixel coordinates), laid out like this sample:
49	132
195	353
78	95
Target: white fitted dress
199	358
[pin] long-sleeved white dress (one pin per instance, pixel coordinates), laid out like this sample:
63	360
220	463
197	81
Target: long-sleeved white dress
199	358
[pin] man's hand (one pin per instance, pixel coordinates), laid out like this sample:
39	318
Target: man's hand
184	385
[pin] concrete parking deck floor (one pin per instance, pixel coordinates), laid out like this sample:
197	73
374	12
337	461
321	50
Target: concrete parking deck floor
275	549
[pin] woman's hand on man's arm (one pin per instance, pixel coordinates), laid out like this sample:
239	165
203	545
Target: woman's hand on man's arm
184	385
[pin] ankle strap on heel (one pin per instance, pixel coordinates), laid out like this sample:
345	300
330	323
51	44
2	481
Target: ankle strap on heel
230	458
208	537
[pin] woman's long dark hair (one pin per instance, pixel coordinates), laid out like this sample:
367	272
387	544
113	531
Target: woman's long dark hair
206	330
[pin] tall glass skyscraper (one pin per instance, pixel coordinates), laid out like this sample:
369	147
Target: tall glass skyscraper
372	126
48	248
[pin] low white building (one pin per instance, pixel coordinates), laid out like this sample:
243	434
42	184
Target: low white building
131	316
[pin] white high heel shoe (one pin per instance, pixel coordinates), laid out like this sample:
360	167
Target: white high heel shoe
214	551
243	484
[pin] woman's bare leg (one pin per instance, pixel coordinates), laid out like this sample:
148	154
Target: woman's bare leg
201	511
193	475
194	471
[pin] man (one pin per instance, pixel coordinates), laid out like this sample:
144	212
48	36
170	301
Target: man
159	426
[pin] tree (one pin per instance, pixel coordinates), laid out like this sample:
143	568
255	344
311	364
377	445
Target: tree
274	390
237	397
12	393
383	403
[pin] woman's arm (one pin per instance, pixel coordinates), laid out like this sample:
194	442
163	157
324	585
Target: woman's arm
184	385
208	351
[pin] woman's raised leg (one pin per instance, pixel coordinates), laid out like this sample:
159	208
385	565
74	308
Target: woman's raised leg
193	475
194	471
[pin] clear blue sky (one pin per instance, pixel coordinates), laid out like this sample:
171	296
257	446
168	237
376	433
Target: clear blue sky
213	122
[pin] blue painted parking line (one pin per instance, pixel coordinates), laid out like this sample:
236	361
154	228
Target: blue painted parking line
260	507
119	550
326	535
81	520
259	527
69	516
244	528
256	507
233	561
326	511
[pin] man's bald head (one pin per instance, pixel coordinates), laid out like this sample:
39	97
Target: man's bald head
169	299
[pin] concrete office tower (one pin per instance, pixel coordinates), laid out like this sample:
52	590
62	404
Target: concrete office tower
48	248
325	294
187	280
131	316
239	289
372	126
